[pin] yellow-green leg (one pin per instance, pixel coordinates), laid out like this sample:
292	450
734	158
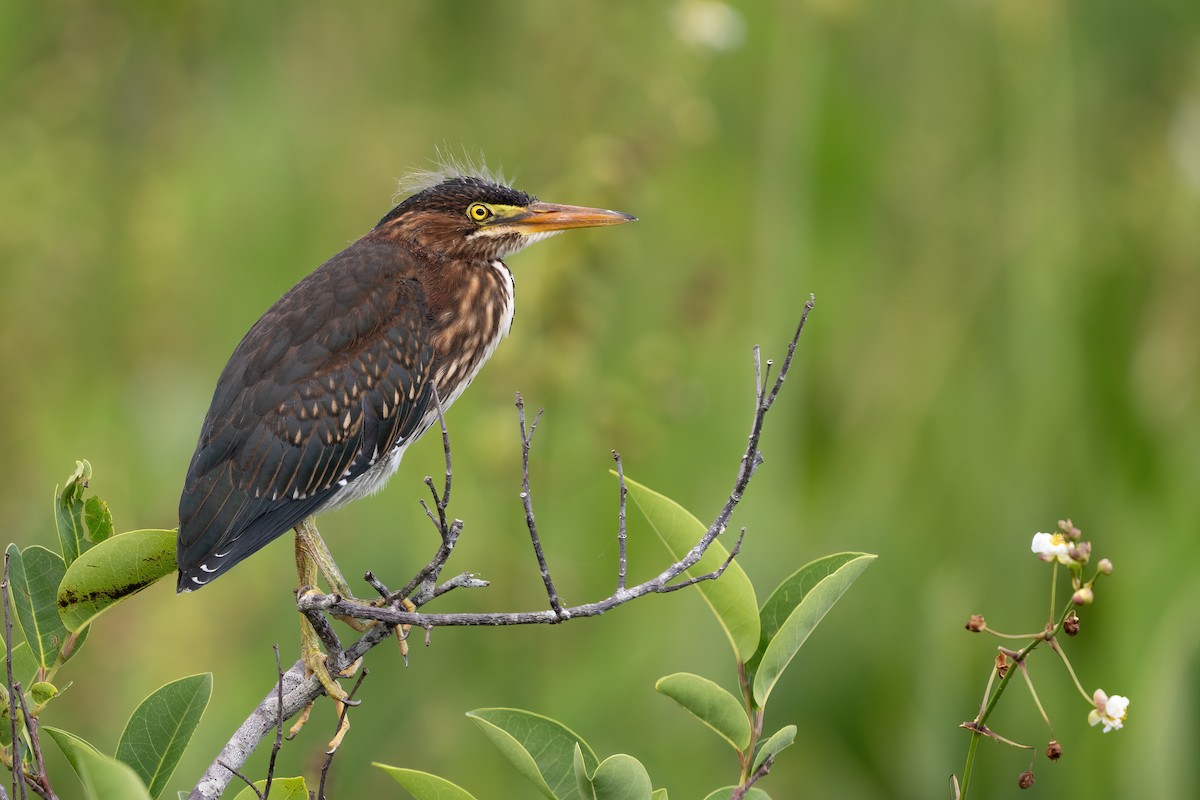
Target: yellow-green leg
313	560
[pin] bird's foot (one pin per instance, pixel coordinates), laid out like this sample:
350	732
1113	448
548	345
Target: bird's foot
316	663
402	630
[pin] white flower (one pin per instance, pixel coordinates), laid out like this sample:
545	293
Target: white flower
1109	711
1052	547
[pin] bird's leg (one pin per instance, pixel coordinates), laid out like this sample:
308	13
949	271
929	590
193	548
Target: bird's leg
307	568
313	558
318	555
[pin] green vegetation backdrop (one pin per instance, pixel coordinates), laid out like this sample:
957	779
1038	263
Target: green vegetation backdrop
997	205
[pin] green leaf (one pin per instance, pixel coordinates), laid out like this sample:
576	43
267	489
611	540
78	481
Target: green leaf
160	728
70	744
711	704
621	777
68	512
779	740
98	519
659	794
422	785
34	574
731	597
103	778
281	789
542	749
801	602
42	692
112	571
791	591
754	794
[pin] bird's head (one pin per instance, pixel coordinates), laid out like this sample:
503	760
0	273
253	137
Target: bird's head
478	218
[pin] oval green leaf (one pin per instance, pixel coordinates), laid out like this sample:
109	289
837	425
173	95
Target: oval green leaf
42	692
731	597
424	786
160	728
711	704
103	778
810	592
281	789
111	571
791	591
542	749
781	739
70	744
621	777
33	576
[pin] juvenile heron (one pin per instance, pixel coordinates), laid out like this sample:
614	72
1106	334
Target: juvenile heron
325	392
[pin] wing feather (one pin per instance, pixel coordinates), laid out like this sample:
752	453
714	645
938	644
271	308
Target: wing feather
313	395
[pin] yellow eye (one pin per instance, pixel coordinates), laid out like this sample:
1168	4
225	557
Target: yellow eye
478	212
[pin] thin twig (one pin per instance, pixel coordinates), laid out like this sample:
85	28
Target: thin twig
275	748
623	491
341	722
740	792
13	690
430	572
527	501
245	780
710	576
39	782
443	502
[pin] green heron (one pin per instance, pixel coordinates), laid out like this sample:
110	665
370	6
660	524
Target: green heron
320	399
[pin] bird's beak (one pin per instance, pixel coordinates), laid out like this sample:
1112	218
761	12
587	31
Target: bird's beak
548	217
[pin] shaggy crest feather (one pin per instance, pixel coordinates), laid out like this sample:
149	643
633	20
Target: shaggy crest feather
445	166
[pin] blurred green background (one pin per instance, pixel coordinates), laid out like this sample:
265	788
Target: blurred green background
997	205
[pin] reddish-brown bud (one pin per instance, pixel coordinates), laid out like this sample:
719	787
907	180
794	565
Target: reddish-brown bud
1054	750
1026	779
1071	624
976	623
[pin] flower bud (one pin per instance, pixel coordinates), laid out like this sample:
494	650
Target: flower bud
1080	553
976	623
1054	750
1083	597
1069	530
1026	779
1071	624
1105	566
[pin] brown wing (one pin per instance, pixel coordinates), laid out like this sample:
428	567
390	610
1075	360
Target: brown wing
327	382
